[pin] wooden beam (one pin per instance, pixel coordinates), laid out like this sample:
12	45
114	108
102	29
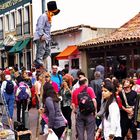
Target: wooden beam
132	60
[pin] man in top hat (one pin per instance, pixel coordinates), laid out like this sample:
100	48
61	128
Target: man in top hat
42	35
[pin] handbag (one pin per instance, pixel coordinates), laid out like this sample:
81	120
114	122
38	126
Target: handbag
52	136
130	115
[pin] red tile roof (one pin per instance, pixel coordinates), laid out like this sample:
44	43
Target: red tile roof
130	31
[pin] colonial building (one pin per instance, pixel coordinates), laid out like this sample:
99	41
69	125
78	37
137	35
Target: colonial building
63	48
120	47
16	31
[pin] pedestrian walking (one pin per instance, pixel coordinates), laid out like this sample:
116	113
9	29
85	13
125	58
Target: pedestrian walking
111	116
84	106
23	95
7	90
65	93
128	97
96	85
46	82
51	101
42	35
56	77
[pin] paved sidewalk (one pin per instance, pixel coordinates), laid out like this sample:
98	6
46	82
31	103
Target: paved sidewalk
33	114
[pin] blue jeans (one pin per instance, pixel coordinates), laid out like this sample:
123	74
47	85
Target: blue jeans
10	99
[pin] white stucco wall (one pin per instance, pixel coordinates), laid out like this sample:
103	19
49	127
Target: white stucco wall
66	40
88	34
73	38
104	31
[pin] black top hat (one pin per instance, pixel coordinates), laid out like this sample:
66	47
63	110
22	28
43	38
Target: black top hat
52	6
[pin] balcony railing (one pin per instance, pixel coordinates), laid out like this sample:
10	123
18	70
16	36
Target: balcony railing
1	35
27	27
19	29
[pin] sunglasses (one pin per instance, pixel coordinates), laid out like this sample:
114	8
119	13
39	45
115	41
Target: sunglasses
47	76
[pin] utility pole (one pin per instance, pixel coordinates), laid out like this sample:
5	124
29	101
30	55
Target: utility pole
43	6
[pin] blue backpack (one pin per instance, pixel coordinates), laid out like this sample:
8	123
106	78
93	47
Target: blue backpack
23	95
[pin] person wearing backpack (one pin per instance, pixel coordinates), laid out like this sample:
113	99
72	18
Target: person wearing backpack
7	90
84	106
96	85
23	95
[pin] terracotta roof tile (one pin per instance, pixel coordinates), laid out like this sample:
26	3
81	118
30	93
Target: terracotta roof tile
128	31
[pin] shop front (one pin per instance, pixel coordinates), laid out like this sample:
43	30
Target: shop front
118	61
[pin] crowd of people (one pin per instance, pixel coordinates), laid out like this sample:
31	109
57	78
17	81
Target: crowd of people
113	115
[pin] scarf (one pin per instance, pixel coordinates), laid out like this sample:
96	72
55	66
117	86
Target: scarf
50	14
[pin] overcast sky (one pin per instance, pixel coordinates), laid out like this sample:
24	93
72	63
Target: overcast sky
97	13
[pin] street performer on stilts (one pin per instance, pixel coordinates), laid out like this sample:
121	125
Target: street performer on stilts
42	35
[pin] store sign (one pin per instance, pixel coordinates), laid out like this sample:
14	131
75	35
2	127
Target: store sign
9	4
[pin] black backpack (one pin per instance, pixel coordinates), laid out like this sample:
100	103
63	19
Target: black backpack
9	87
86	105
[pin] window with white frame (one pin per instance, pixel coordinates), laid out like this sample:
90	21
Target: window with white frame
12	21
19	17
7	23
1	23
26	14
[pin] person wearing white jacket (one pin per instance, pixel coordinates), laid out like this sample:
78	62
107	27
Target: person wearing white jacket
9	97
111	117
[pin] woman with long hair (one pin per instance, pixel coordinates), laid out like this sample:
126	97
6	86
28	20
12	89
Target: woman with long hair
65	93
111	116
51	100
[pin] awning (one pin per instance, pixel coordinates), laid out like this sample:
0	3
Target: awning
23	45
14	48
70	50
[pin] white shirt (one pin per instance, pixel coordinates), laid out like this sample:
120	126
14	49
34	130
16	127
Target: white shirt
111	125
